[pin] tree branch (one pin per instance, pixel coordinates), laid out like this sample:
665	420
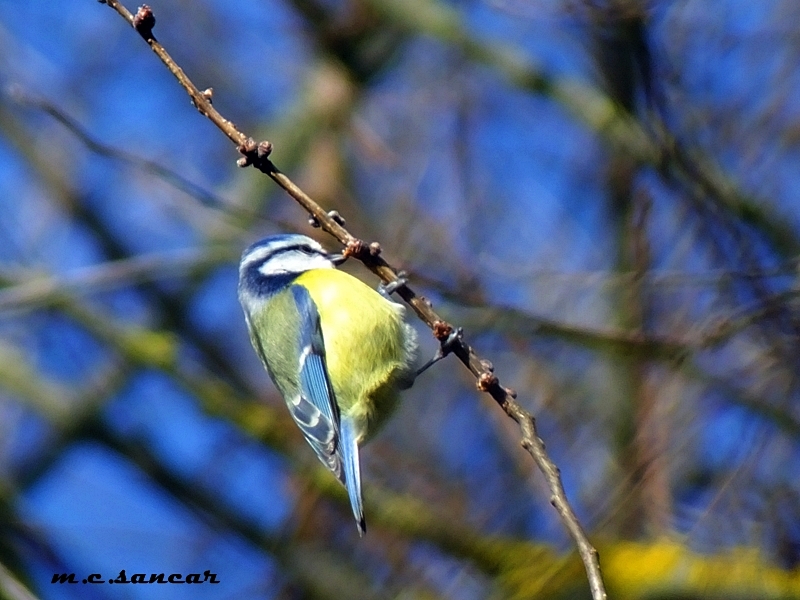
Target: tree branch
12	588
257	155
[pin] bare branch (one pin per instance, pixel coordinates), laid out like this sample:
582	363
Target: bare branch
257	155
27	291
12	588
23	98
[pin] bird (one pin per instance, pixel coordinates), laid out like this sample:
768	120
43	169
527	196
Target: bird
338	351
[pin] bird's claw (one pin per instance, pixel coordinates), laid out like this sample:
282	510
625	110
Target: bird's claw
446	346
333	214
387	289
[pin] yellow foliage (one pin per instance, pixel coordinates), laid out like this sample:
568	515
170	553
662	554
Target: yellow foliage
639	571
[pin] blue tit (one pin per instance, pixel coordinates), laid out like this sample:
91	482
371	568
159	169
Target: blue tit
338	351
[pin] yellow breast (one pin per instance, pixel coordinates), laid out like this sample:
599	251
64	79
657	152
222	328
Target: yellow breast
365	343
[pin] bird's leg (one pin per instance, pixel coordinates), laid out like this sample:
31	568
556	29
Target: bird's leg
333	214
354	247
446	346
387	289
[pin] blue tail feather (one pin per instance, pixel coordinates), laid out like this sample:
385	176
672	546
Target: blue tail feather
352	472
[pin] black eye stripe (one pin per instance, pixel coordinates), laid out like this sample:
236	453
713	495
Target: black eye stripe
263	253
304	249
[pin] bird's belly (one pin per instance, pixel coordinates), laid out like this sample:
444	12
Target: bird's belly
365	343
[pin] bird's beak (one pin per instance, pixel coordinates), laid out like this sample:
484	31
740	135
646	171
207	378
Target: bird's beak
337	258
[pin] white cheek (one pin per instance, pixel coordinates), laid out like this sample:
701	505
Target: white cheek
257	256
294	263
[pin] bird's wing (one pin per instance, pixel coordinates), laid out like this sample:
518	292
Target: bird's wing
315	409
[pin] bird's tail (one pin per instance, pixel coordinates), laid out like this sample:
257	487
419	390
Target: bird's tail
352	472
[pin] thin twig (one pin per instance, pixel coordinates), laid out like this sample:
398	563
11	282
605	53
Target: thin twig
19	95
257	155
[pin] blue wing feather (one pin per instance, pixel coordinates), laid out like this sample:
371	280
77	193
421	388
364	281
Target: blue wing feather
314	380
315	409
315	384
